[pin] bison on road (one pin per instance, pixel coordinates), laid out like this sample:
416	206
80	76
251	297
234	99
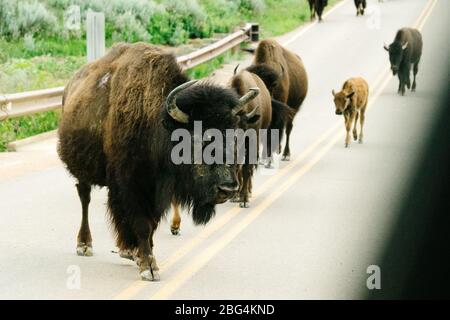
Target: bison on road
284	75
352	101
119	114
404	52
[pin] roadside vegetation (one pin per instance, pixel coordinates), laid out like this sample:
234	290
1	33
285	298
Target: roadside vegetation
40	49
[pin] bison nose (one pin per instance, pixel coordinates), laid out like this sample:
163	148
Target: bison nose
229	187
338	112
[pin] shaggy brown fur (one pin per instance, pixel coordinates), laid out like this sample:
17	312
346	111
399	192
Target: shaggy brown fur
352	101
290	85
115	132
241	83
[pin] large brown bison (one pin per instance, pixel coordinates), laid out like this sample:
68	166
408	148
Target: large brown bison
270	115
284	75
116	131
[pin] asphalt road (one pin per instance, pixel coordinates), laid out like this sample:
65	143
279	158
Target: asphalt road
315	224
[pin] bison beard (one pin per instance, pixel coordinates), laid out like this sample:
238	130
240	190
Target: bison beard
115	131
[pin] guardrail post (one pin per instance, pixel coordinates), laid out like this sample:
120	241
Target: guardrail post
254	32
95	35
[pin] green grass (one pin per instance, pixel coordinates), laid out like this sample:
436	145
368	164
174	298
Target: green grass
23	127
18	75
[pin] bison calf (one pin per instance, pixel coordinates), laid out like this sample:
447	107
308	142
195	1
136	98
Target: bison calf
351	101
406	50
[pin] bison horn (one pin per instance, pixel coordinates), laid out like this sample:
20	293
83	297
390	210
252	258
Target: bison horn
252	113
405	45
386	47
249	96
235	70
282	71
171	103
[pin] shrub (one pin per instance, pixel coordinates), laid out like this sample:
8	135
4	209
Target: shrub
128	28
255	6
25	17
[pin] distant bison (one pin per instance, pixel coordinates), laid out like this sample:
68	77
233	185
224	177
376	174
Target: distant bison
360	7
284	75
115	131
406	50
351	101
317	7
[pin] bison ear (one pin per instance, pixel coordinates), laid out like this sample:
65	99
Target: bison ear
405	45
350	95
386	47
333	93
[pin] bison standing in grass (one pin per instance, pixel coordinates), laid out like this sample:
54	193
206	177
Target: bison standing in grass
284	75
404	52
352	101
118	116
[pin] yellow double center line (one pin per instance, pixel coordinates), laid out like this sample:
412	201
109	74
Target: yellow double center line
207	254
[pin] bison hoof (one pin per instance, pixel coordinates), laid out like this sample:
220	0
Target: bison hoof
244	204
360	141
126	254
84	250
346	145
286	158
175	231
148	275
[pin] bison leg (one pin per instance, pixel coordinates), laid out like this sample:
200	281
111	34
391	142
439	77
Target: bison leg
287	152
134	230
312	10
355	131
415	71
348	126
145	259
362	118
237	197
84	241
176	219
247	171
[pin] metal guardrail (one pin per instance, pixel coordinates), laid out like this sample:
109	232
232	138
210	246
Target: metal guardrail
27	103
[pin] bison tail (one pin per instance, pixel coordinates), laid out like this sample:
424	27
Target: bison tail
281	115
